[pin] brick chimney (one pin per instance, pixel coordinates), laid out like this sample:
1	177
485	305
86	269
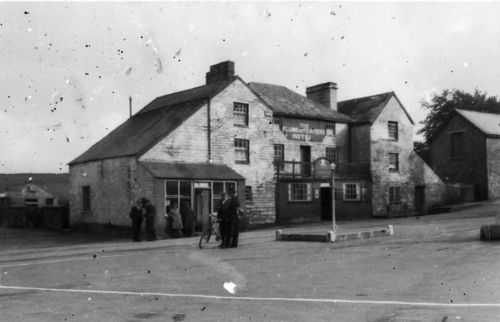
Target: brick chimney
220	72
325	94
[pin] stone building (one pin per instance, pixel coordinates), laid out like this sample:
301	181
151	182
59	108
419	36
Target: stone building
269	143
467	151
380	142
191	145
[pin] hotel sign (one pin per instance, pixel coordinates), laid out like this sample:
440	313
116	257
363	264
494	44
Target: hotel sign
304	132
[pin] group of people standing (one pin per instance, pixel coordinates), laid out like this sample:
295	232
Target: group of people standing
143	208
227	216
181	222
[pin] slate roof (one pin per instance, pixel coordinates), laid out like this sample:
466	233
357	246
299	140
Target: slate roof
152	123
194	94
286	102
488	123
195	171
367	109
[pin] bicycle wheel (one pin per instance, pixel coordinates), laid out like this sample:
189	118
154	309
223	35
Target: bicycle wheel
207	240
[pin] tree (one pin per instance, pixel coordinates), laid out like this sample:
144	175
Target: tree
442	107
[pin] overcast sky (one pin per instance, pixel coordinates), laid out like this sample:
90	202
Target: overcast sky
67	69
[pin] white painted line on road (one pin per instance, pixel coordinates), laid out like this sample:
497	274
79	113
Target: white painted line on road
246	298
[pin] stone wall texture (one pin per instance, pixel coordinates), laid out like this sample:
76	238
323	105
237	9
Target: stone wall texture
381	146
421	174
471	168
115	184
493	161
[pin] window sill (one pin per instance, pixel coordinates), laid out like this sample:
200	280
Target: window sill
351	201
242	162
299	201
241	125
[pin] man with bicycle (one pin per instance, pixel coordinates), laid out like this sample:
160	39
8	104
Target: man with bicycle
228	216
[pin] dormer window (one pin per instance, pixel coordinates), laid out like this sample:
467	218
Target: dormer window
392	128
240	112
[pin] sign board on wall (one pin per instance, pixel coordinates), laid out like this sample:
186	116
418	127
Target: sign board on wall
303	130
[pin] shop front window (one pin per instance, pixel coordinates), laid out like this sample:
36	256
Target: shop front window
177	191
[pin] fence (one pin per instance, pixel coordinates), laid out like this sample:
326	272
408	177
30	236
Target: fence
55	218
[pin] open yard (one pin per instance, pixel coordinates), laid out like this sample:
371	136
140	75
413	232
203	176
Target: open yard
432	269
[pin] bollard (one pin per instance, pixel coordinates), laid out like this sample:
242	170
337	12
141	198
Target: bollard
490	232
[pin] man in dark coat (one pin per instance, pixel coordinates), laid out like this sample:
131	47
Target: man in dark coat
222	216
149	215
136	216
232	208
188	219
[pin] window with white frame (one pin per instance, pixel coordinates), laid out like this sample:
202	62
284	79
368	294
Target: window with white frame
351	191
177	192
240	112
241	151
395	195
330	128
393	161
299	192
331	155
392	128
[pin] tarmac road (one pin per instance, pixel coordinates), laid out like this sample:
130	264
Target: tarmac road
432	269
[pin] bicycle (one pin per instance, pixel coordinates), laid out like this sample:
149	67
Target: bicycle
207	237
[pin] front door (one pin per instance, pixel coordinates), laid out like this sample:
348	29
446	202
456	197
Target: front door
202	208
419	199
305	159
326	203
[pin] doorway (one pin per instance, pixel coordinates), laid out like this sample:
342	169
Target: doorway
202	208
305	159
326	203
419	199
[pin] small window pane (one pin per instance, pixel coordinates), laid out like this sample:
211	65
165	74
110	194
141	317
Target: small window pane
394	195
330	129
351	191
241	150
392	128
231	186
185	188
393	161
172	187
240	112
299	192
331	155
217	188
